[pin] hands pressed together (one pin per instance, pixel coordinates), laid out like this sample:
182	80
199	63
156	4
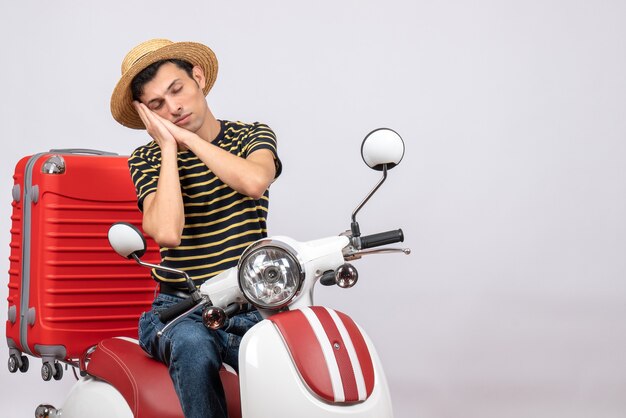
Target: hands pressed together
164	132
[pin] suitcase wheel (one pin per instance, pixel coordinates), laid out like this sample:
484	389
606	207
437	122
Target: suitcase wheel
24	366
46	371
13	363
58	371
49	371
18	363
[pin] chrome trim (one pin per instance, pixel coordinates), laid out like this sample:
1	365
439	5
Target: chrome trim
55	164
355	255
213	317
370	194
272	243
185	314
346	276
83	363
47	411
269	242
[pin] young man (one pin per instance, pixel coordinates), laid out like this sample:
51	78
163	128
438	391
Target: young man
202	187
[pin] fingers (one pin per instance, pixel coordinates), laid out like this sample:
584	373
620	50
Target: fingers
154	125
167	123
148	117
142	112
181	135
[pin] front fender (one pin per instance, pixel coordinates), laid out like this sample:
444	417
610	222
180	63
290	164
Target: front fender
286	370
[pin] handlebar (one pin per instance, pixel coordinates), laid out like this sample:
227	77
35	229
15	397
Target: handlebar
175	310
382	238
185	305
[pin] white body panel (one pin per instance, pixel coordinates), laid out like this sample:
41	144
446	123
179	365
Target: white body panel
223	289
94	398
265	362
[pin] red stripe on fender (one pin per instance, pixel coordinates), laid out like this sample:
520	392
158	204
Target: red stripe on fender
305	351
362	352
346	370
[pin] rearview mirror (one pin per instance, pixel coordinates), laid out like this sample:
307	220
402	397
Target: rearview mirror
126	240
382	147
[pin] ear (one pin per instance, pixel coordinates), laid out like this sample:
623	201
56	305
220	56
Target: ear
198	75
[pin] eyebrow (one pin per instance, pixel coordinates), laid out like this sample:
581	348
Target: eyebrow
166	90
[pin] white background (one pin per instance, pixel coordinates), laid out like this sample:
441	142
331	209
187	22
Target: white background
512	193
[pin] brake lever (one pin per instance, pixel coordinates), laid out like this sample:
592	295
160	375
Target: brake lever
355	255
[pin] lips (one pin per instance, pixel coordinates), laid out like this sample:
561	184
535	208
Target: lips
182	120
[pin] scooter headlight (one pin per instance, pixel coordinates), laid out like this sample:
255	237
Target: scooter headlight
270	275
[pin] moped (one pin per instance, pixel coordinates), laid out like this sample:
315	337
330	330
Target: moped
301	360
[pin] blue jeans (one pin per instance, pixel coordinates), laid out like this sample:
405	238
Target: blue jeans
194	355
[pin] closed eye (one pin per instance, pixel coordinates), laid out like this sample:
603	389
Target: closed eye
155	104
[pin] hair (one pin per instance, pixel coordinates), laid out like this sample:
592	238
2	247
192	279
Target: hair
147	74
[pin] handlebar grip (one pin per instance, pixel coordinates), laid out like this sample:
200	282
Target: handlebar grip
383	238
173	311
328	278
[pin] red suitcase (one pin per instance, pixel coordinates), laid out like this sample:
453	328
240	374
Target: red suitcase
67	288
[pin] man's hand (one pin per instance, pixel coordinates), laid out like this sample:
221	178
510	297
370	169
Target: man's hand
163	211
156	127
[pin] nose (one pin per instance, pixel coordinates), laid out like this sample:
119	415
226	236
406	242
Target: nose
174	108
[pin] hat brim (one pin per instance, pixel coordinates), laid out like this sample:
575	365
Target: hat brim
197	54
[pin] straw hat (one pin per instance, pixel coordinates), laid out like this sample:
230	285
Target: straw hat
148	53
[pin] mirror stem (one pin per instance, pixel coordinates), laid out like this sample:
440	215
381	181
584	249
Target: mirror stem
355	225
190	285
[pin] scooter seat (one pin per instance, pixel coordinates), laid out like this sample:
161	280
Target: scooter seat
123	364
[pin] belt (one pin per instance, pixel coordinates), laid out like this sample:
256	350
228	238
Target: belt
168	289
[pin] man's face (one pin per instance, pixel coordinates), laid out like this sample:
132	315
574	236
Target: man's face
175	96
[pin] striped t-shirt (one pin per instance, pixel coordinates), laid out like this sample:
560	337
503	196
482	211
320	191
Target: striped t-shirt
219	222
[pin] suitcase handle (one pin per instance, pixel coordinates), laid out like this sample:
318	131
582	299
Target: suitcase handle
81	151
